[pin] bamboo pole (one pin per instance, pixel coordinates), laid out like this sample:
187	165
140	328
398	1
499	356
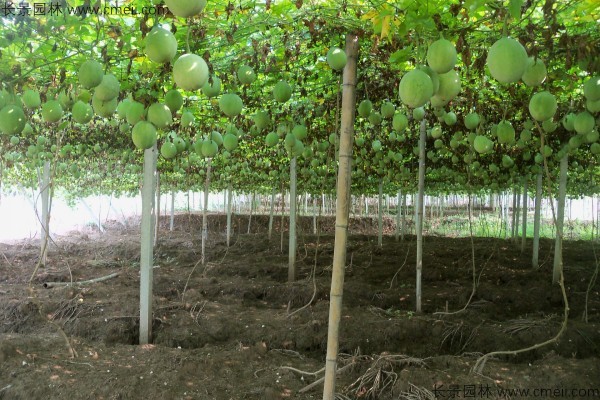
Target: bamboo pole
146	256
380	214
341	219
420	213
398	214
172	219
524	207
228	214
45	221
292	237
536	221
560	216
205	212
271	213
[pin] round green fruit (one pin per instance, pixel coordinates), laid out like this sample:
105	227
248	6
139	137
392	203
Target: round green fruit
542	106
187	119
449	86
507	60
584	123
262	119
282	91
160	115
271	139
230	142
108	89
388	109
12	120
135	113
161	45
82	112
143	135
217	137
416	88
31	99
212	87
300	132
595	148
190	72
591	88
450	118
441	56
174	100
231	104
209	148
185	8
535	72
246	75
52	111
90	74
505	132
123	107
168	150
418	113
375	118
364	108
336	58
400	122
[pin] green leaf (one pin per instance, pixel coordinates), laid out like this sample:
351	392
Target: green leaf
515	8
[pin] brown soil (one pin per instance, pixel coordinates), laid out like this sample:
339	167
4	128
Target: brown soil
228	334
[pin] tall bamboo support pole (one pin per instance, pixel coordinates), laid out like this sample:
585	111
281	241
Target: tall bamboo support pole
341	219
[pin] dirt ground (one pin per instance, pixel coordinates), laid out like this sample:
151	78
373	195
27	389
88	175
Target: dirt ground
234	328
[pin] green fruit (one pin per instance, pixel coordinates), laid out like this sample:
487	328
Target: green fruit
507	162
190	72
108	89
31	99
52	111
505	132
82	112
14	140
161	45
592	106
160	115
216	137
436	132
400	122
449	86
123	107
282	91
416	88
450	118
262	120
230	142
388	109
90	74
289	141
535	72
507	60
300	132
336	58
27	130
246	75
435	78
549	126
180	144
209	148
212	89
297	149
231	104
584	123
542	106
364	108
595	148
143	135
418	113
441	56
65	100
187	119
591	88
525	135
592	137
84	95
135	113
185	8
174	100
376	145
271	139
375	118
168	150
569	122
